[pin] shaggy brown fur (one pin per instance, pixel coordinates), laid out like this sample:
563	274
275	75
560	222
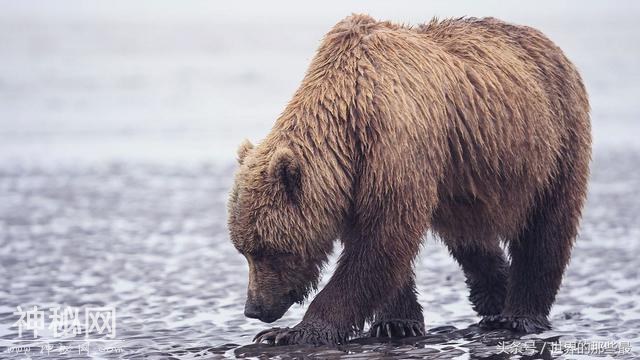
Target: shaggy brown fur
474	128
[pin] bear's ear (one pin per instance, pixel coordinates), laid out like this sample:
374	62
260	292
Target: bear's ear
243	150
285	169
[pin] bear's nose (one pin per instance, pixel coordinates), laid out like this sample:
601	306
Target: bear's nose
251	310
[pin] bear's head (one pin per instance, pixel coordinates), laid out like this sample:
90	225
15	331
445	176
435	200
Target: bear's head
277	224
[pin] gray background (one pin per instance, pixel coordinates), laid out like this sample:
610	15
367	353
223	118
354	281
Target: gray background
169	80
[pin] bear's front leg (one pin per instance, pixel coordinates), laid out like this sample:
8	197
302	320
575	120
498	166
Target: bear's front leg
363	281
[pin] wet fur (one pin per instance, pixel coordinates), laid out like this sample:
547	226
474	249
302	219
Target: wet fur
475	129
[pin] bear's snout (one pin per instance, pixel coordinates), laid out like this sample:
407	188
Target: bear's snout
268	314
252	310
255	311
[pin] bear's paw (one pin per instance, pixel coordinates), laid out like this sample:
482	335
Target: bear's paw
521	324
396	328
305	333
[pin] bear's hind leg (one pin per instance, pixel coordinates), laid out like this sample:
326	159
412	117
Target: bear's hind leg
401	315
538	259
486	271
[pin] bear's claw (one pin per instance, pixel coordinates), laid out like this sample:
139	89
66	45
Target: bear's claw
520	324
271	336
309	333
396	328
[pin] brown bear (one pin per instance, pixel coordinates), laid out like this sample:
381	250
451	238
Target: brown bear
473	128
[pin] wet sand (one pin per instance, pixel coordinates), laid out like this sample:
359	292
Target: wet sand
151	241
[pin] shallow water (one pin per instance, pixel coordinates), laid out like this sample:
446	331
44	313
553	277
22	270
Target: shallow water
151	241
